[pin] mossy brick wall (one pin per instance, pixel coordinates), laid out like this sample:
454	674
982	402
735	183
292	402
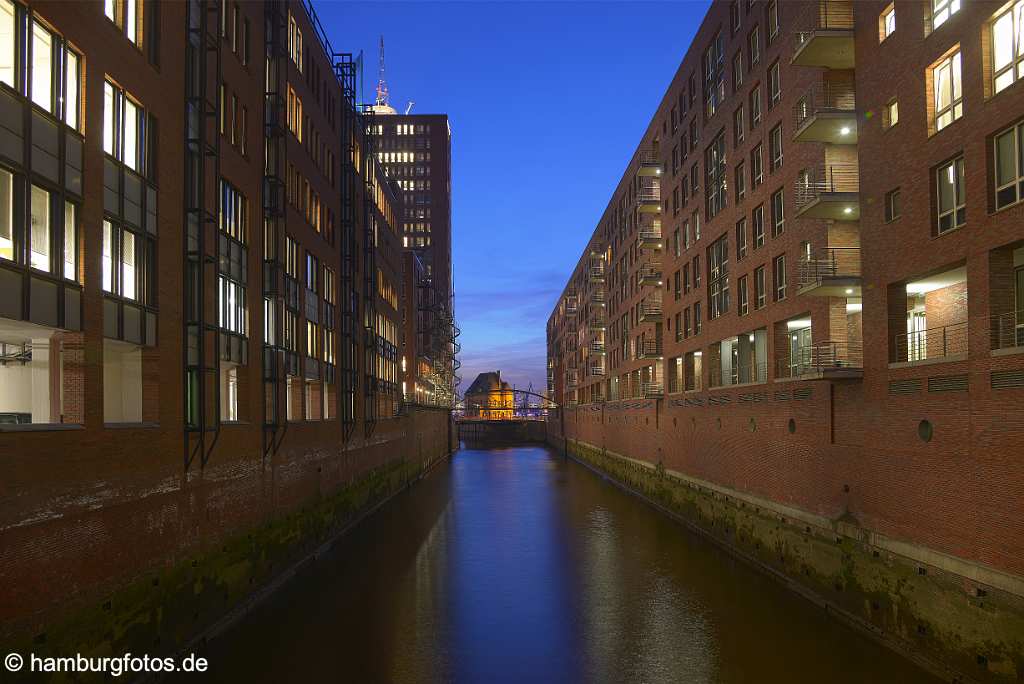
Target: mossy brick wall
938	618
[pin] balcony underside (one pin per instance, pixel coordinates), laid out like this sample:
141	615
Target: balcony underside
837	206
649	169
650	242
831	373
829	48
828	126
650	317
833	286
649	206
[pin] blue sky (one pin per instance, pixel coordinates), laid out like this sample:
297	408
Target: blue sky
547	101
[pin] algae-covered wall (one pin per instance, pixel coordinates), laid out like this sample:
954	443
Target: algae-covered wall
960	628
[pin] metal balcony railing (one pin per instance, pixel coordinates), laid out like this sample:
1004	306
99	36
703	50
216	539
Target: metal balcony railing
649	273
811	184
598	322
597	370
652	390
597	347
649	191
572	378
829	262
596	271
649	349
649	234
740	375
933	343
650	309
821	357
572	304
823	15
824	98
598	297
648	162
1008	330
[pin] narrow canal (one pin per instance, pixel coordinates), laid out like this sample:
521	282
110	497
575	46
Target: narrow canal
513	565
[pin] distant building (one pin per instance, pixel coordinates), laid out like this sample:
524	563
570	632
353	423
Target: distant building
489	397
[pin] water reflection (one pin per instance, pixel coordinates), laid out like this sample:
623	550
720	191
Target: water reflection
512	565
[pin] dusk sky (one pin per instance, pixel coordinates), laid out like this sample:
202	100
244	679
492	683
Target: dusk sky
547	101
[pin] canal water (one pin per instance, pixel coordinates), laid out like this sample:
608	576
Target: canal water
515	565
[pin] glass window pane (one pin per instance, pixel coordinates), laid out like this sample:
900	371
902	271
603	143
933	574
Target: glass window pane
108	257
1006	166
42	67
70	263
946	188
108	9
1002	41
6	216
108	118
39	245
71	81
131	20
7	42
942	88
957	86
131	135
128	289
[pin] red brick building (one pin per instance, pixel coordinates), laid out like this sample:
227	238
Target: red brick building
807	292
201	305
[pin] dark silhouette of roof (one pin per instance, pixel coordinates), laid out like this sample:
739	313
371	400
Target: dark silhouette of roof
488	382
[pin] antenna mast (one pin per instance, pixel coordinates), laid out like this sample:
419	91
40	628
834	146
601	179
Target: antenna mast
382	86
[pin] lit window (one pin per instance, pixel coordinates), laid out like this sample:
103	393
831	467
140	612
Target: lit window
125	15
7	42
124	132
108	257
948	100
943	10
952	211
108	118
6	215
1009	160
295	42
42	66
887	23
892	113
72	79
128	271
1008	46
39	239
70	243
131	135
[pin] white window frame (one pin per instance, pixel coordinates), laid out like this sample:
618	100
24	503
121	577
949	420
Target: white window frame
1005	75
947	84
1016	182
959	208
943	10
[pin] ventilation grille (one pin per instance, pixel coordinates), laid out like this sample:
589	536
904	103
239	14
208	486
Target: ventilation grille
694	402
948	383
904	386
783	396
805	393
1007	379
718	401
755	397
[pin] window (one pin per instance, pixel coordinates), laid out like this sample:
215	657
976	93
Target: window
887	23
124	263
6	215
892	205
696	318
39	235
948	96
755	106
742	301
718	277
1009	166
756	166
42	67
760	296
124	127
778	214
741	182
738	126
714	75
687	328
757	223
677	286
686	278
892	113
715	183
952	211
943	10
774	85
779	277
8	22
775	148
1008	46
695	220
295	42
772	13
70	241
741	239
126	16
294	114
754	42
737	71
734	15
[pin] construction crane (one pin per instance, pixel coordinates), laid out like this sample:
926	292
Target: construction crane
408	107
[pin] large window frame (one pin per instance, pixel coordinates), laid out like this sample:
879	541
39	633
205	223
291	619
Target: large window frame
947	90
1008	161
950	196
1007	46
125	129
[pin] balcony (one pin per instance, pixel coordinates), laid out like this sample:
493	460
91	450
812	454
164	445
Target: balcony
648	196
597	371
829	191
652	390
598	348
830	272
649	349
598	298
596	272
650	310
572	304
823	360
947	342
572	379
648	164
739	375
825	36
597	323
1008	330
650	274
826	113
650	237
